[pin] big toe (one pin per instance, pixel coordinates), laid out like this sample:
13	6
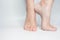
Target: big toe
34	29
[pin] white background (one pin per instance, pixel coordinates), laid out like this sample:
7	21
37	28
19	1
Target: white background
12	18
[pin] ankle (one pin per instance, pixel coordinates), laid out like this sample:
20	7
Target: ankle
46	2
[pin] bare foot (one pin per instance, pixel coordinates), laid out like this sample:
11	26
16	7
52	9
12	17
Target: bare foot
48	27
30	26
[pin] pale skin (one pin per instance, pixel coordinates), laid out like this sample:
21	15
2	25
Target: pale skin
43	8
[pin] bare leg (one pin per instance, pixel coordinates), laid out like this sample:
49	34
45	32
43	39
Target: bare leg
30	23
44	9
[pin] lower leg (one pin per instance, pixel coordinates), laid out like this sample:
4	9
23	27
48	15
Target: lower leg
30	23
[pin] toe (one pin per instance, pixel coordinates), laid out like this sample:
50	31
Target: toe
34	29
26	28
